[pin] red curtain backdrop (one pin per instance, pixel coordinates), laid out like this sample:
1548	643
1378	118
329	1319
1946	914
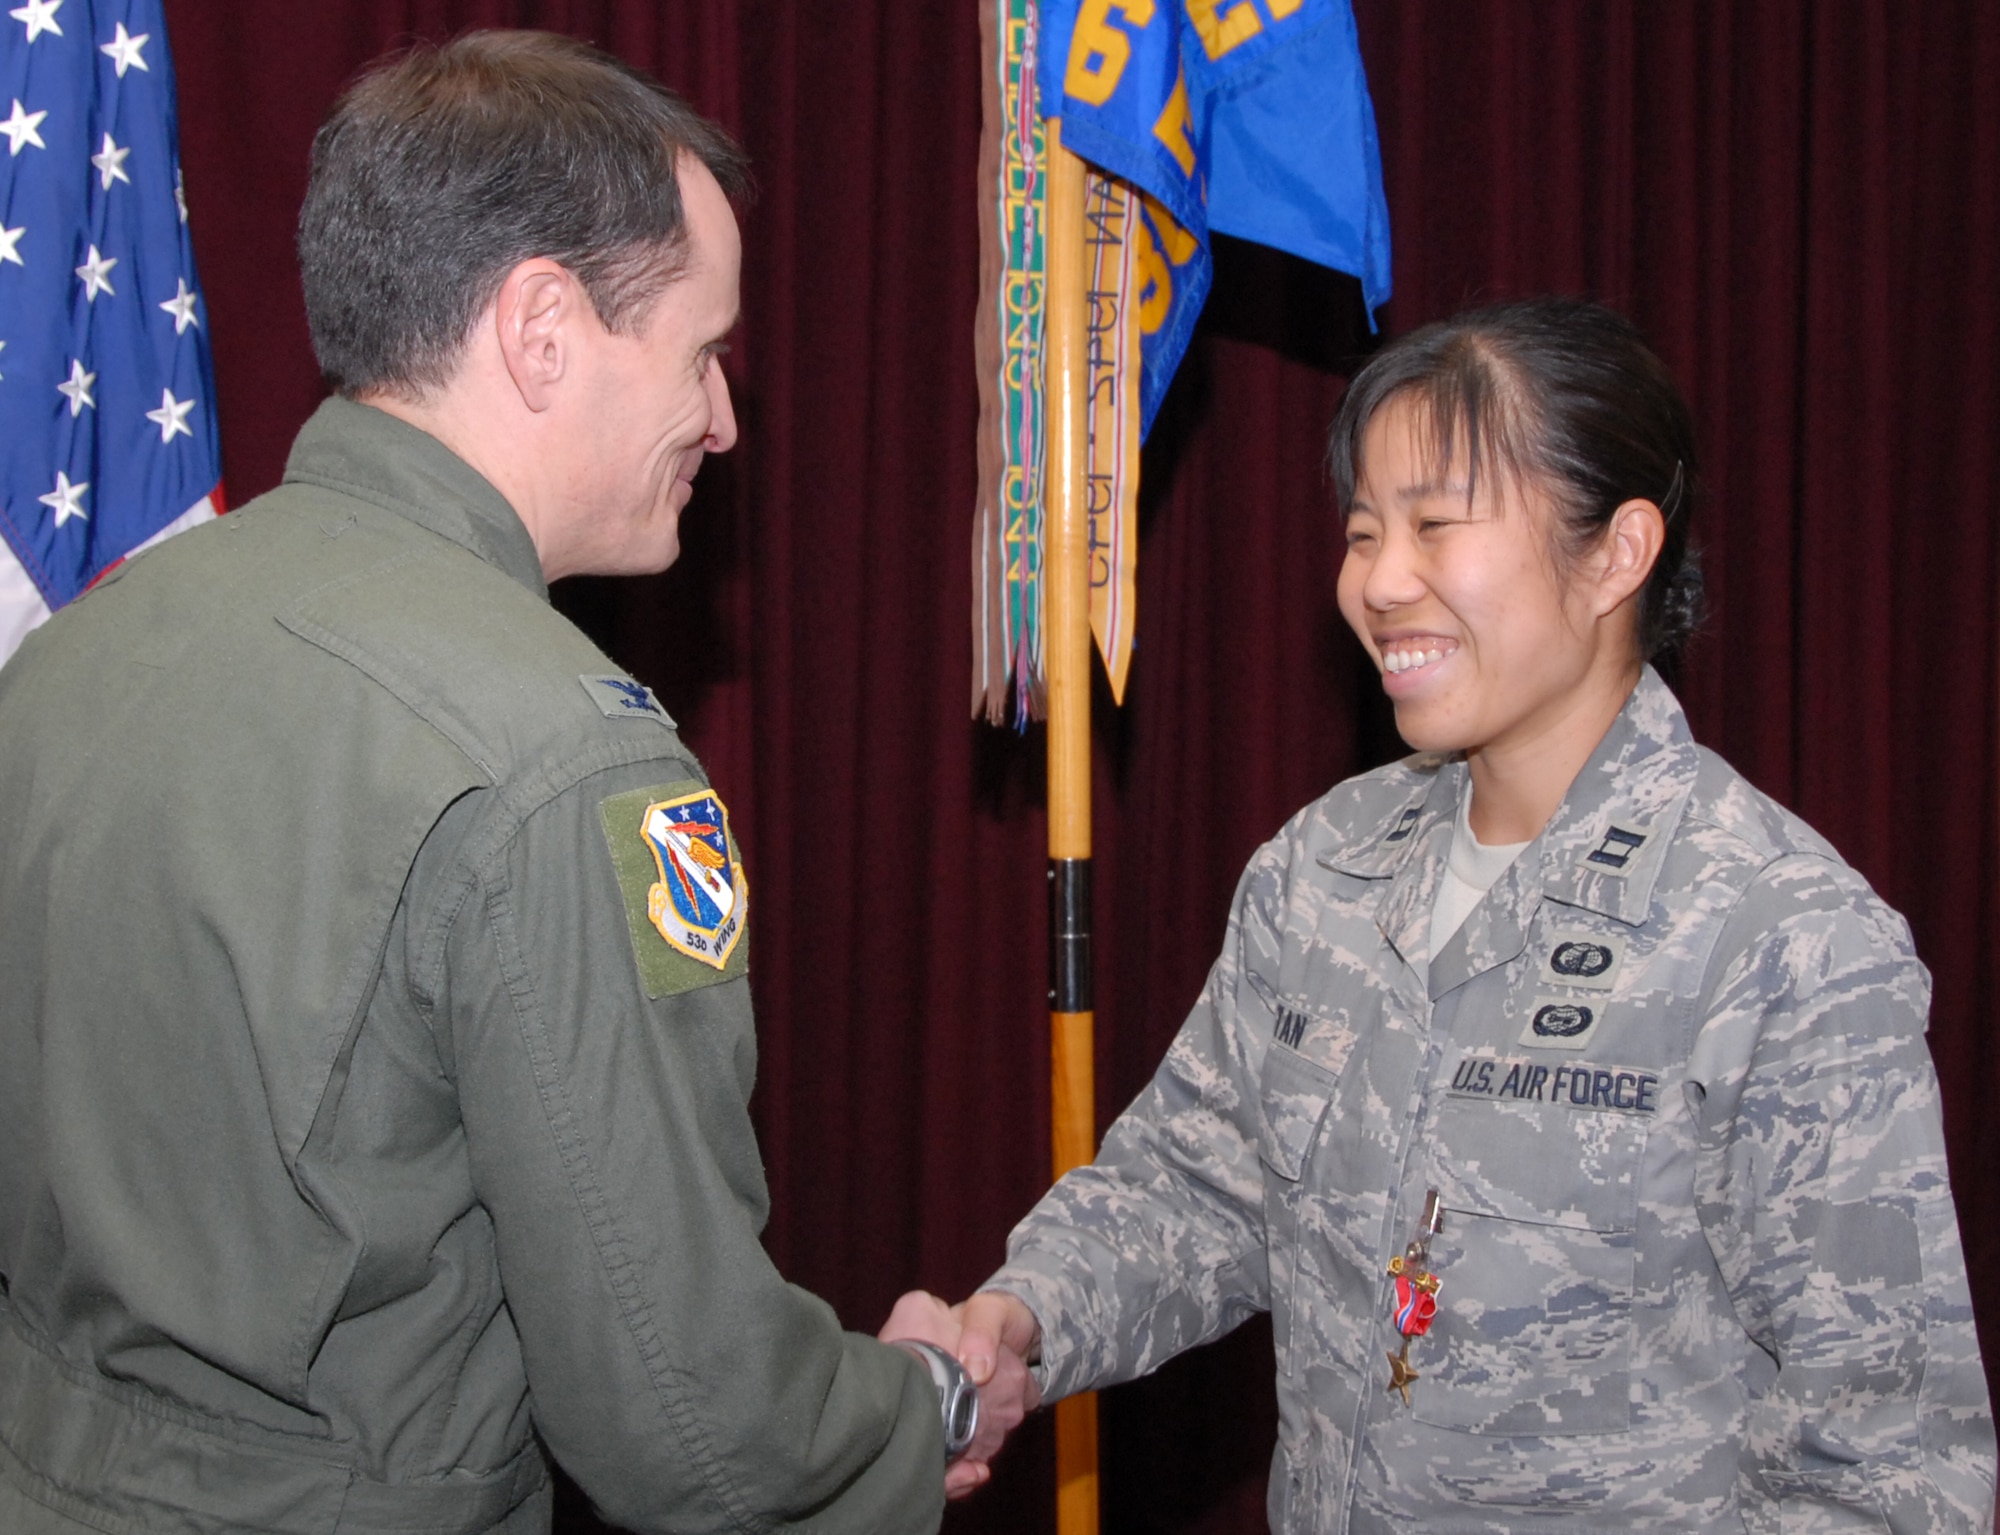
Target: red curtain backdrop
1797	201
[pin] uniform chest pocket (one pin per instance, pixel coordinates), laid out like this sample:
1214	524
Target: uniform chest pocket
1296	1095
1534	1327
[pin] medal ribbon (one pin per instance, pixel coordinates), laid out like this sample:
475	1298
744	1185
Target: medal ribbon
1416	1293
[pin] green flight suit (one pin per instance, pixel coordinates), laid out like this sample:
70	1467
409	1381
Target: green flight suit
358	1122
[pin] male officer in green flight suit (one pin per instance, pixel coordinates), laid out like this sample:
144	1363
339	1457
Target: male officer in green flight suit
375	1036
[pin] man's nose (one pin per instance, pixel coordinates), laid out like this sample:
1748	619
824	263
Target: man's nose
722	423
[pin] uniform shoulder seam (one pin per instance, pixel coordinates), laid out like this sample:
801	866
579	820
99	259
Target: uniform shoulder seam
1724	801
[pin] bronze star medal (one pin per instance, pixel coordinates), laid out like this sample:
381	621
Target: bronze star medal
1400	1373
1416	1294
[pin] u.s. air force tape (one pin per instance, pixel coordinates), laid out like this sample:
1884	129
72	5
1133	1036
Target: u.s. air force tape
686	897
1562	1086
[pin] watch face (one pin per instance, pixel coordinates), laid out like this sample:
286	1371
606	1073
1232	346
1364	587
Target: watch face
958	1397
961	1417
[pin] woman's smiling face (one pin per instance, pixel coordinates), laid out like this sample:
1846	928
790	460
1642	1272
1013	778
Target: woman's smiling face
1483	641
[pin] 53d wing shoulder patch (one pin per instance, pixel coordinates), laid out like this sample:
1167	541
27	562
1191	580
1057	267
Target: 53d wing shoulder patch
686	899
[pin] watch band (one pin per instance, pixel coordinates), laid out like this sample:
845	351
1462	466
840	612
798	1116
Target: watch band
958	1397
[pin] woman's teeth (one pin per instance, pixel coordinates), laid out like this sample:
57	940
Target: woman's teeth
1410	660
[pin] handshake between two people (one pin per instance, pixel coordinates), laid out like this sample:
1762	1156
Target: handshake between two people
995	1337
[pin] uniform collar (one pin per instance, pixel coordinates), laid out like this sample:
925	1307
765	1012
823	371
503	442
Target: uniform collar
1604	847
1601	851
1411	851
1385	850
364	452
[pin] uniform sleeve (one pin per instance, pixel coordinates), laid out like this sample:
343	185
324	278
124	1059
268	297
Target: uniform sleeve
1821	1185
672	1372
1159	1245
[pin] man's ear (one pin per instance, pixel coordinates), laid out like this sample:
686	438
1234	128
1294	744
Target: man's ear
1627	551
534	319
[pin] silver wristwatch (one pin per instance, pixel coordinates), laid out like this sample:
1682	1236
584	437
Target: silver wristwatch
958	1398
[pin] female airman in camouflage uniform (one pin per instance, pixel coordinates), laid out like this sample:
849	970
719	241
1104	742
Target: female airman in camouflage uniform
1563	1098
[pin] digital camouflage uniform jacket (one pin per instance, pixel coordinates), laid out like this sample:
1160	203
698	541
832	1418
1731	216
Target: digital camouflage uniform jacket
358	1114
1700	1266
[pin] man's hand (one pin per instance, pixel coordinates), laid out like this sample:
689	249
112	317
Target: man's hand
1007	1392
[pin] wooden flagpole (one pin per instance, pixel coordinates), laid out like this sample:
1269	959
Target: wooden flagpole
1066	661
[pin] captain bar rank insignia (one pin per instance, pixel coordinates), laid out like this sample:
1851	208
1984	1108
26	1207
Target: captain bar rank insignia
1577	1086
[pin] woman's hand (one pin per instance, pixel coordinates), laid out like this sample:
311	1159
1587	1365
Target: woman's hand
985	1336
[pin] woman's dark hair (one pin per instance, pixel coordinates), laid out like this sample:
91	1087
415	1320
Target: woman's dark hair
1562	394
442	169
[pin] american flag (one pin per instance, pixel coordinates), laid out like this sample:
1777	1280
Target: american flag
107	420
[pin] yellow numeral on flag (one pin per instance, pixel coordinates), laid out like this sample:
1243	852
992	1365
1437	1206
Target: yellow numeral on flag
1231	29
1173	125
1098	51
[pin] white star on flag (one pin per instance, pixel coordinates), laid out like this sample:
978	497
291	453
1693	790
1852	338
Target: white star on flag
181	307
66	500
110	163
124	50
77	390
39	16
20	129
9	240
172	416
96	275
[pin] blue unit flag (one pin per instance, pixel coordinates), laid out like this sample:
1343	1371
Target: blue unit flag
107	421
1248	117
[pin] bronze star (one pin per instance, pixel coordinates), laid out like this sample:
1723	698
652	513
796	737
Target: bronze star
1400	1373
